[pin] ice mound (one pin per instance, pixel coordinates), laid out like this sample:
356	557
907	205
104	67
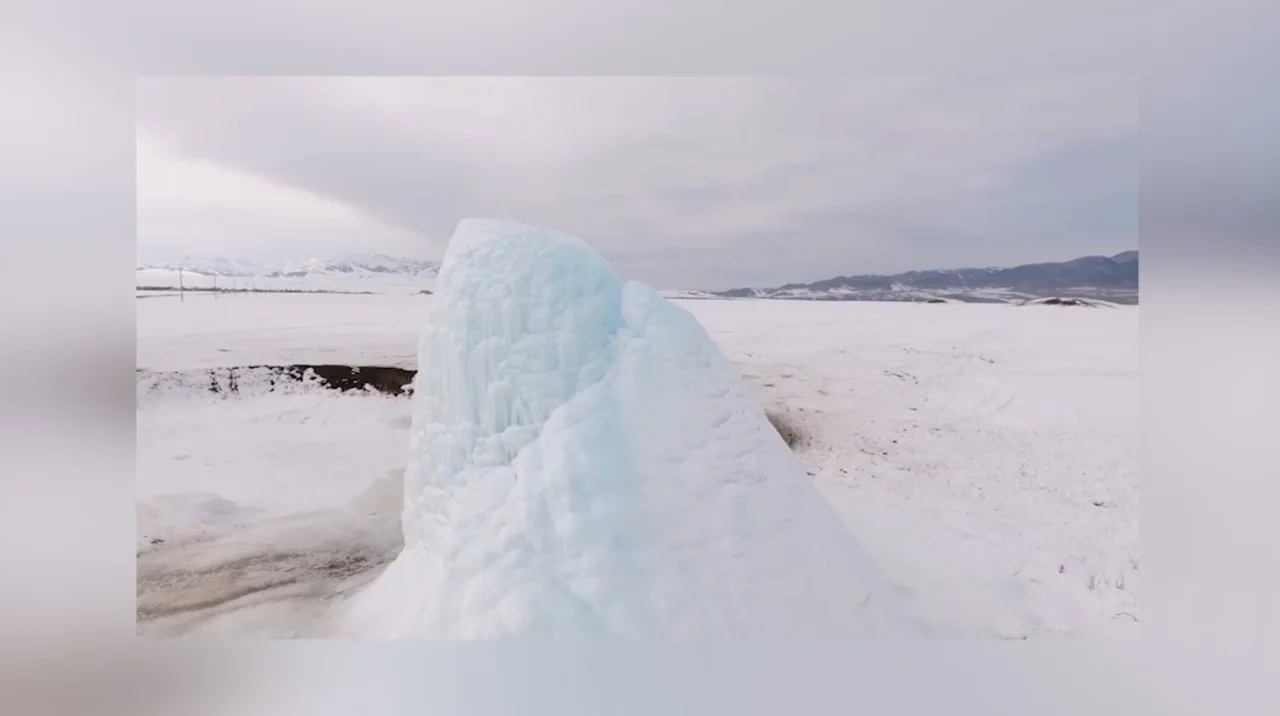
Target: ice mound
585	463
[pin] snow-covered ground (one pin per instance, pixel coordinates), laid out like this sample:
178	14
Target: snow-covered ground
211	330
984	455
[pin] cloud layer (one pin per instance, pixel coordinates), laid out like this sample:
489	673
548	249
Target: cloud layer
681	182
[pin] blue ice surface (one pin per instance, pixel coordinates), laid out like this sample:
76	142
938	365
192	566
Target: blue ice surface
585	462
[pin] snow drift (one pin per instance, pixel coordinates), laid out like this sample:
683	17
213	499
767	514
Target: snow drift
584	462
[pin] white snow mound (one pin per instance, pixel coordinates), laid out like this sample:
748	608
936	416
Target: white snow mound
585	463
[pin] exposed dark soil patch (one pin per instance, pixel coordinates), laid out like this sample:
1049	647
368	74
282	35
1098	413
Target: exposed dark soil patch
790	434
1065	301
1062	302
390	380
383	379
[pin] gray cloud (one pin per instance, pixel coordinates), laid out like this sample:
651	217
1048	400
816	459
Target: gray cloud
681	182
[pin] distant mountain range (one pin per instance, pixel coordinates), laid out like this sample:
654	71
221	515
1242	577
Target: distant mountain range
1109	278
356	265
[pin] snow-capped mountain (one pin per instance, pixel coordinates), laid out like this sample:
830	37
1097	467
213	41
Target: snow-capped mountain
354	265
207	267
1110	278
376	273
378	264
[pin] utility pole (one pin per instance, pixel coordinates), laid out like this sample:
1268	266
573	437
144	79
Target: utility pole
182	297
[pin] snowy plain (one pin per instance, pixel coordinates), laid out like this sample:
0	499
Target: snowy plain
984	455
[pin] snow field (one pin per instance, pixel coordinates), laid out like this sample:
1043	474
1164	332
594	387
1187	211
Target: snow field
1007	507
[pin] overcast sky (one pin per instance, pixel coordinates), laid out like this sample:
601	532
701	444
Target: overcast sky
679	182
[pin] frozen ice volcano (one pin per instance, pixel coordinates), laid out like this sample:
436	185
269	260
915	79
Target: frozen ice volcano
585	463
